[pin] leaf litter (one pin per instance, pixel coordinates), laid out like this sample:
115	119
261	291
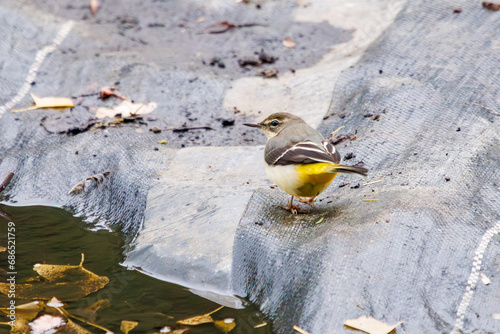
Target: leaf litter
48	102
371	325
67	282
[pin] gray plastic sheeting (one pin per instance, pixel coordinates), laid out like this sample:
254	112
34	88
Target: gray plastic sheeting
417	253
202	204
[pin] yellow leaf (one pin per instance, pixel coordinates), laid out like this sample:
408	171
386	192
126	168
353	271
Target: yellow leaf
199	319
48	102
371	325
28	311
127	326
66	282
226	325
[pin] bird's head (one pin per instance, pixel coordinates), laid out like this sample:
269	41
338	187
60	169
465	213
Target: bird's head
275	123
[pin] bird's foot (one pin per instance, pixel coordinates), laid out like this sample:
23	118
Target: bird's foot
309	201
293	209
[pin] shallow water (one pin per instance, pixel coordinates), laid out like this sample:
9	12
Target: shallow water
53	236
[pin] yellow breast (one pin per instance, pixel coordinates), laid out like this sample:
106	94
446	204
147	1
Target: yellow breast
306	180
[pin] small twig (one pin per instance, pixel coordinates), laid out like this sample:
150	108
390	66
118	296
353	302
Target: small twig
6	215
372	182
6	182
187	128
336	130
371	200
485	107
300	330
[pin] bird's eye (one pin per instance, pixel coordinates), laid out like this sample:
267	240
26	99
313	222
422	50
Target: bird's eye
275	123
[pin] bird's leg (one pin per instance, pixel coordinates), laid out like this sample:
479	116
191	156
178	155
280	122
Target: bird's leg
309	201
293	208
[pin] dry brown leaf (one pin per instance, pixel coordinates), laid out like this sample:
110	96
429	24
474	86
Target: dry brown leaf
289	43
225	325
491	6
300	330
48	102
2	249
126	109
94	6
111	91
371	325
199	319
126	326
100	179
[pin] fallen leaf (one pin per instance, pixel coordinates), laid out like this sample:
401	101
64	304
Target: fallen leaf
289	43
200	19
46	323
111	91
225	325
268	73
94	6
54	302
126	109
199	319
491	6
28	311
496	316
164	142
303	3
2	249
100	179
371	325
485	279
67	282
48	102
127	326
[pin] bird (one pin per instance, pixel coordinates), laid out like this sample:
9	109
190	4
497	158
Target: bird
298	159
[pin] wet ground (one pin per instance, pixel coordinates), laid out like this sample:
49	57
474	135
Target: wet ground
53	236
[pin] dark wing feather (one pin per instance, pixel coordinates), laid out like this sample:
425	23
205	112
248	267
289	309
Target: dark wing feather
305	152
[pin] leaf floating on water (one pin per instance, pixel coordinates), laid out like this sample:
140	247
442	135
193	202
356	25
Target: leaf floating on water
48	102
67	282
54	302
199	319
47	323
126	326
371	325
225	325
28	311
100	179
126	109
289	43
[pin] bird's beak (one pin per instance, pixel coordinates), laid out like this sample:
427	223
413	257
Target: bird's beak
253	125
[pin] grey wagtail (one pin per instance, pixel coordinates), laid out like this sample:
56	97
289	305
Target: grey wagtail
298	159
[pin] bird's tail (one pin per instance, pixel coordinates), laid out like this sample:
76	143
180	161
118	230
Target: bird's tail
349	170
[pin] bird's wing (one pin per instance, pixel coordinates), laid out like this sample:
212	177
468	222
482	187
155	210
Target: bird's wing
305	152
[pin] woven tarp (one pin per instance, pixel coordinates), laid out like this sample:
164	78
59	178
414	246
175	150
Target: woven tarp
415	85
